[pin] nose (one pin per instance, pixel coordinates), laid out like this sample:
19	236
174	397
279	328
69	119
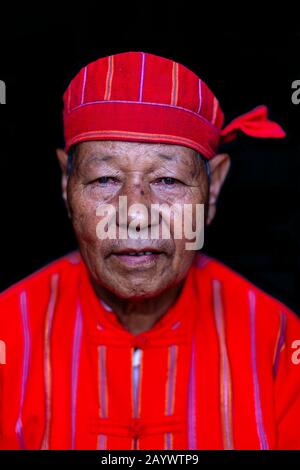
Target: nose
134	207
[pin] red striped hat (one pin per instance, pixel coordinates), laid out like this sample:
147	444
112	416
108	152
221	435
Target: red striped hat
141	97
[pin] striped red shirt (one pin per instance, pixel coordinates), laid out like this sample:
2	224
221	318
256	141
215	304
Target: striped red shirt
220	370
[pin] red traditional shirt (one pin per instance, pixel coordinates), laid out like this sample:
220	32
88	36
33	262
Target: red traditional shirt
220	370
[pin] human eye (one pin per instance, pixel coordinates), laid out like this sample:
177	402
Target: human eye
104	181
168	181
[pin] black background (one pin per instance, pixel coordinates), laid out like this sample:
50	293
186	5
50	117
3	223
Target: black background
257	227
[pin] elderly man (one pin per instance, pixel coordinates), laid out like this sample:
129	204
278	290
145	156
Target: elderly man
137	342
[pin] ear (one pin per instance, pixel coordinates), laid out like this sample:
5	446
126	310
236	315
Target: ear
219	167
63	162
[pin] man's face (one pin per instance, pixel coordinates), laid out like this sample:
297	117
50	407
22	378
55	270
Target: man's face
146	174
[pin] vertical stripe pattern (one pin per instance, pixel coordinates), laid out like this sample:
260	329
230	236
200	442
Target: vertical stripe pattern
25	365
174	94
102	390
69	99
2	352
214	111
83	85
192	435
279	343
102	442
109	77
47	358
170	389
225	375
136	391
171	380
74	374
168	441
102	382
200	96
258	410
142	77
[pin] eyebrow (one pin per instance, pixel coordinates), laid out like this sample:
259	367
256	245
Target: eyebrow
92	159
103	158
167	157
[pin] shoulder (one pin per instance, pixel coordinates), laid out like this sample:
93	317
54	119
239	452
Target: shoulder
242	301
37	286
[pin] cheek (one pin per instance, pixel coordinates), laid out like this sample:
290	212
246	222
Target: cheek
180	263
182	256
83	216
189	217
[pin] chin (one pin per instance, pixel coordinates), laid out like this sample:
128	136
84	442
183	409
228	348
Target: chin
136	291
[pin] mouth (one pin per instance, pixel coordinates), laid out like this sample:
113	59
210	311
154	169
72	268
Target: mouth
132	257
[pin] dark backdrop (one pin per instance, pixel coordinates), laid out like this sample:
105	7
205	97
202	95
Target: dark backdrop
256	230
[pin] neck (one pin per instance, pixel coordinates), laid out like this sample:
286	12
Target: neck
139	316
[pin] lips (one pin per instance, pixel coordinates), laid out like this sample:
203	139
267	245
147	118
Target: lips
137	252
137	258
140	253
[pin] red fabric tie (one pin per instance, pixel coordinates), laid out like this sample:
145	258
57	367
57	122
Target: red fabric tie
255	123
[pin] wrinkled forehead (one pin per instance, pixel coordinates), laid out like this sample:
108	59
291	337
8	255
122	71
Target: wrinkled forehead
133	155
